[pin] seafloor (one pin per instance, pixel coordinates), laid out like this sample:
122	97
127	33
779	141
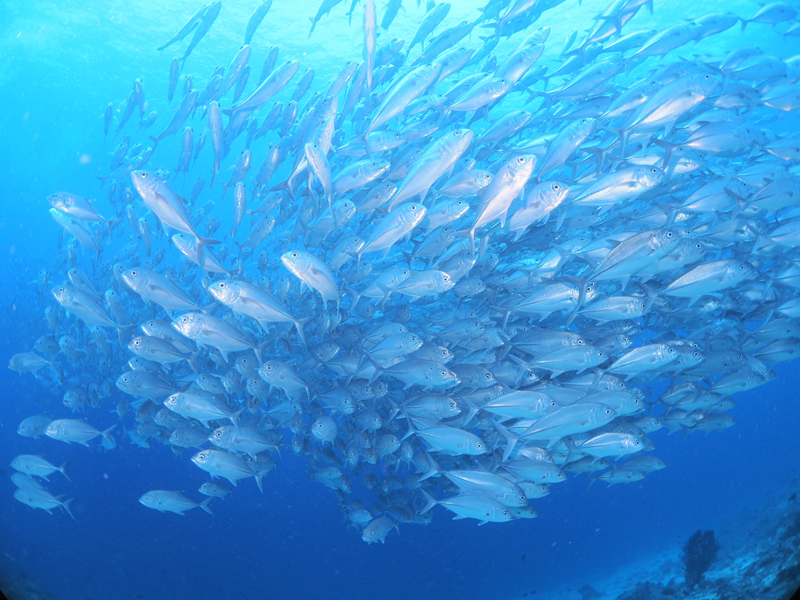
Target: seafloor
758	559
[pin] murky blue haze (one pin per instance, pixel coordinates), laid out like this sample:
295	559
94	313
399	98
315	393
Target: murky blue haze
60	64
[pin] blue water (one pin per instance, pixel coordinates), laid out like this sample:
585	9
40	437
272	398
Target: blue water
60	64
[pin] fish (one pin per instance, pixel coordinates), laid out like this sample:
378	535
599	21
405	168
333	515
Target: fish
174	502
207	20
540	256
38	466
78	431
187	28
167	206
40	498
255	20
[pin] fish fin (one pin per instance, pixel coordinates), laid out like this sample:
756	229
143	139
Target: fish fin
63	470
299	324
473	410
512	440
201	243
411	429
66	504
430	502
235	417
107	436
204	505
378	372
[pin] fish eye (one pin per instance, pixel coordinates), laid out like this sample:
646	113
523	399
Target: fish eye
221	285
521	159
669	234
294	254
556	187
741	267
144	174
654	170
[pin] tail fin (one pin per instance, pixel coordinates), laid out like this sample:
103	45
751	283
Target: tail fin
63	470
107	436
204	505
234	417
430	500
512	440
299	324
66	504
201	243
433	467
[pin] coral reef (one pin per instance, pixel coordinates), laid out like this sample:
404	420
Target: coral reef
757	557
699	552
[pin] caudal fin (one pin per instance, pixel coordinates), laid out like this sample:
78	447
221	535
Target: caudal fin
107	436
63	470
204	505
66	504
430	502
202	243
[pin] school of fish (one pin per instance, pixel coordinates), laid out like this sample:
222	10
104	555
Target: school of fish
461	271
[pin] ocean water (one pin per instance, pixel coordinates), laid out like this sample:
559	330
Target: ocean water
61	63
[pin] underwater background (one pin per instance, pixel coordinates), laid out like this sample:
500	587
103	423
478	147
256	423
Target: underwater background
60	64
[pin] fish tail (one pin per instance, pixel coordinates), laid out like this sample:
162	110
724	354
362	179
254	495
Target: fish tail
66	504
204	505
356	295
378	371
193	358
202	242
63	470
512	440
299	325
235	417
108	437
430	502
259	350
473	410
121	330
